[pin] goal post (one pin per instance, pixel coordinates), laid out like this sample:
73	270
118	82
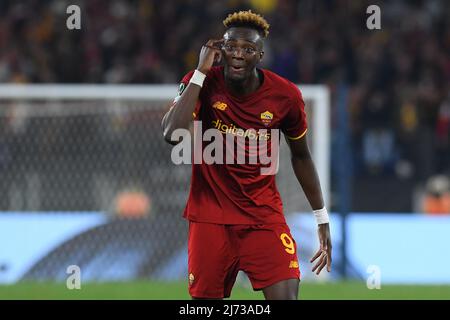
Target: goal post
32	102
97	151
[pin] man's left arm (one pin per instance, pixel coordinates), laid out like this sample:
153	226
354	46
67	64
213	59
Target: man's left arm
306	174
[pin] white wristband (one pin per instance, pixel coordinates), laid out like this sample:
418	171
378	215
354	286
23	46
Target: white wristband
321	216
198	78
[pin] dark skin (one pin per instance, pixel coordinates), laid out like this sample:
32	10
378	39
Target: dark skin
239	82
241	49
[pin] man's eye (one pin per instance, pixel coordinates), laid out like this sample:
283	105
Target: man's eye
247	50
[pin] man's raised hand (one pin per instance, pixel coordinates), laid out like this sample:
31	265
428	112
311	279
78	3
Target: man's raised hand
211	52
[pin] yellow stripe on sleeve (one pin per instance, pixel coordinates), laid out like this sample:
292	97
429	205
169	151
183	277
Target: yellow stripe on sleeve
300	136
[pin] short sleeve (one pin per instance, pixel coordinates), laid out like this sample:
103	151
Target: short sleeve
294	124
183	84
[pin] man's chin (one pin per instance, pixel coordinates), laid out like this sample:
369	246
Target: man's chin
237	78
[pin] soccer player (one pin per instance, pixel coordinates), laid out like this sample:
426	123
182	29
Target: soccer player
235	213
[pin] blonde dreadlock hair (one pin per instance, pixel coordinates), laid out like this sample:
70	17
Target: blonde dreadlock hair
247	19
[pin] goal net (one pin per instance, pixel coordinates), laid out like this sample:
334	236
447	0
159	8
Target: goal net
99	148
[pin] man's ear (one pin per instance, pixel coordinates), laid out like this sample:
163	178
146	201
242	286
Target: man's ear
261	55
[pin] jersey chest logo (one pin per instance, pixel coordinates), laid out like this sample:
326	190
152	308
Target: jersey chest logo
266	118
222	106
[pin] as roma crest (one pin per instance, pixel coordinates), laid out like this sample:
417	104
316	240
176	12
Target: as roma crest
266	118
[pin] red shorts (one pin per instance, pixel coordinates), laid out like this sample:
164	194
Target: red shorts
266	253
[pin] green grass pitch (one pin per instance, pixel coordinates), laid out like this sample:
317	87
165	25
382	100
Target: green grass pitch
146	290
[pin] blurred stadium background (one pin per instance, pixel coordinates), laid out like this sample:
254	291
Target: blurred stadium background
86	178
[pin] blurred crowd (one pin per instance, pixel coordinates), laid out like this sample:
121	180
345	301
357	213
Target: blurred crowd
398	77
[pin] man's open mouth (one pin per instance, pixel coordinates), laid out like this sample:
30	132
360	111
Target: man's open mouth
237	69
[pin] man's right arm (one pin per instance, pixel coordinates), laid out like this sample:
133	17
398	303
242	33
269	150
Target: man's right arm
180	114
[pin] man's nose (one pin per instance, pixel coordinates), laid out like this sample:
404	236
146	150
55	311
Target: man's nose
238	53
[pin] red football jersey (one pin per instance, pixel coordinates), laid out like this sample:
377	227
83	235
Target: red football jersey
239	193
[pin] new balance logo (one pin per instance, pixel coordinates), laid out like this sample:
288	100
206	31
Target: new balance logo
220	106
